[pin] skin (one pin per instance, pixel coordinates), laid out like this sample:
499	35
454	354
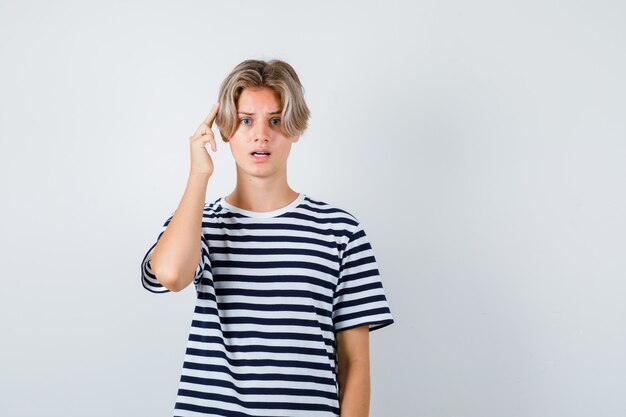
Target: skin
261	186
353	371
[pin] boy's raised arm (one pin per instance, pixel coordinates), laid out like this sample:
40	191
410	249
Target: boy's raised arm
177	253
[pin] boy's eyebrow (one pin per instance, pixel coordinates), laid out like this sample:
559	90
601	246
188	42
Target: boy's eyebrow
252	114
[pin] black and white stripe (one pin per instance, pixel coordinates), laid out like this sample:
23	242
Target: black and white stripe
273	289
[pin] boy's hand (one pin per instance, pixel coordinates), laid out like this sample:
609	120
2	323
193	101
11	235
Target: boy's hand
201	162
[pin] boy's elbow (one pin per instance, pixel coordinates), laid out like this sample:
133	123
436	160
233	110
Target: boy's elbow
169	281
165	277
150	280
171	278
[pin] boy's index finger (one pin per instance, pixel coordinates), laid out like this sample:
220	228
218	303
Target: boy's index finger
211	117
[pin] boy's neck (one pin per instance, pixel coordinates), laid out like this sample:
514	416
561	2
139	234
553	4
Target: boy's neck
261	195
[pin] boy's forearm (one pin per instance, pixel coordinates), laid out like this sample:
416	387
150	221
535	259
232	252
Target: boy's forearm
354	389
177	253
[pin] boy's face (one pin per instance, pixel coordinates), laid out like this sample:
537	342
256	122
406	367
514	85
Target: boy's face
260	129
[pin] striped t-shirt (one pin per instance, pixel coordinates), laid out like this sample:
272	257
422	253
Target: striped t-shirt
273	289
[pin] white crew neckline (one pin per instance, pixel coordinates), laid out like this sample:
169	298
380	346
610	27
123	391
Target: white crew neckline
262	214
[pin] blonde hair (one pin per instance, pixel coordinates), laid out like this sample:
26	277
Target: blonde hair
274	74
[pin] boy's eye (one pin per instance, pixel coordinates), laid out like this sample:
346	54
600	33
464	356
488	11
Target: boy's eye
247	121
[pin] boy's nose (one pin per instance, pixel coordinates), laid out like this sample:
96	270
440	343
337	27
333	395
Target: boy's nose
261	132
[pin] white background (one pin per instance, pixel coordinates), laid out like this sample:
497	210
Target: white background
481	144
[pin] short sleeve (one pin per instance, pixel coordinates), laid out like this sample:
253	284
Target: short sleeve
359	297
148	278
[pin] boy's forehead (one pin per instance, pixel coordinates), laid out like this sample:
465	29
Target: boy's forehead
258	100
244	111
252	95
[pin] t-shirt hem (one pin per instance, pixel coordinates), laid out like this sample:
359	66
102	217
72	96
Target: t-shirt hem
373	325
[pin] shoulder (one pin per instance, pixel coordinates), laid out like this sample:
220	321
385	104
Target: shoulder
330	212
212	208
324	207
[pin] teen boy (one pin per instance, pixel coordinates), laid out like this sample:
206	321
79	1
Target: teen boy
288	286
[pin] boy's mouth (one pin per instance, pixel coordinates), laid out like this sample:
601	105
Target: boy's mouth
260	156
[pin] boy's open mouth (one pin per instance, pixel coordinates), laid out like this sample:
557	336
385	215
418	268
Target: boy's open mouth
260	156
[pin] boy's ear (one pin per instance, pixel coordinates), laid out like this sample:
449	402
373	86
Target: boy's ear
294	139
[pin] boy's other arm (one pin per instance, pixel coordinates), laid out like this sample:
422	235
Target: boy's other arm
353	371
177	253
